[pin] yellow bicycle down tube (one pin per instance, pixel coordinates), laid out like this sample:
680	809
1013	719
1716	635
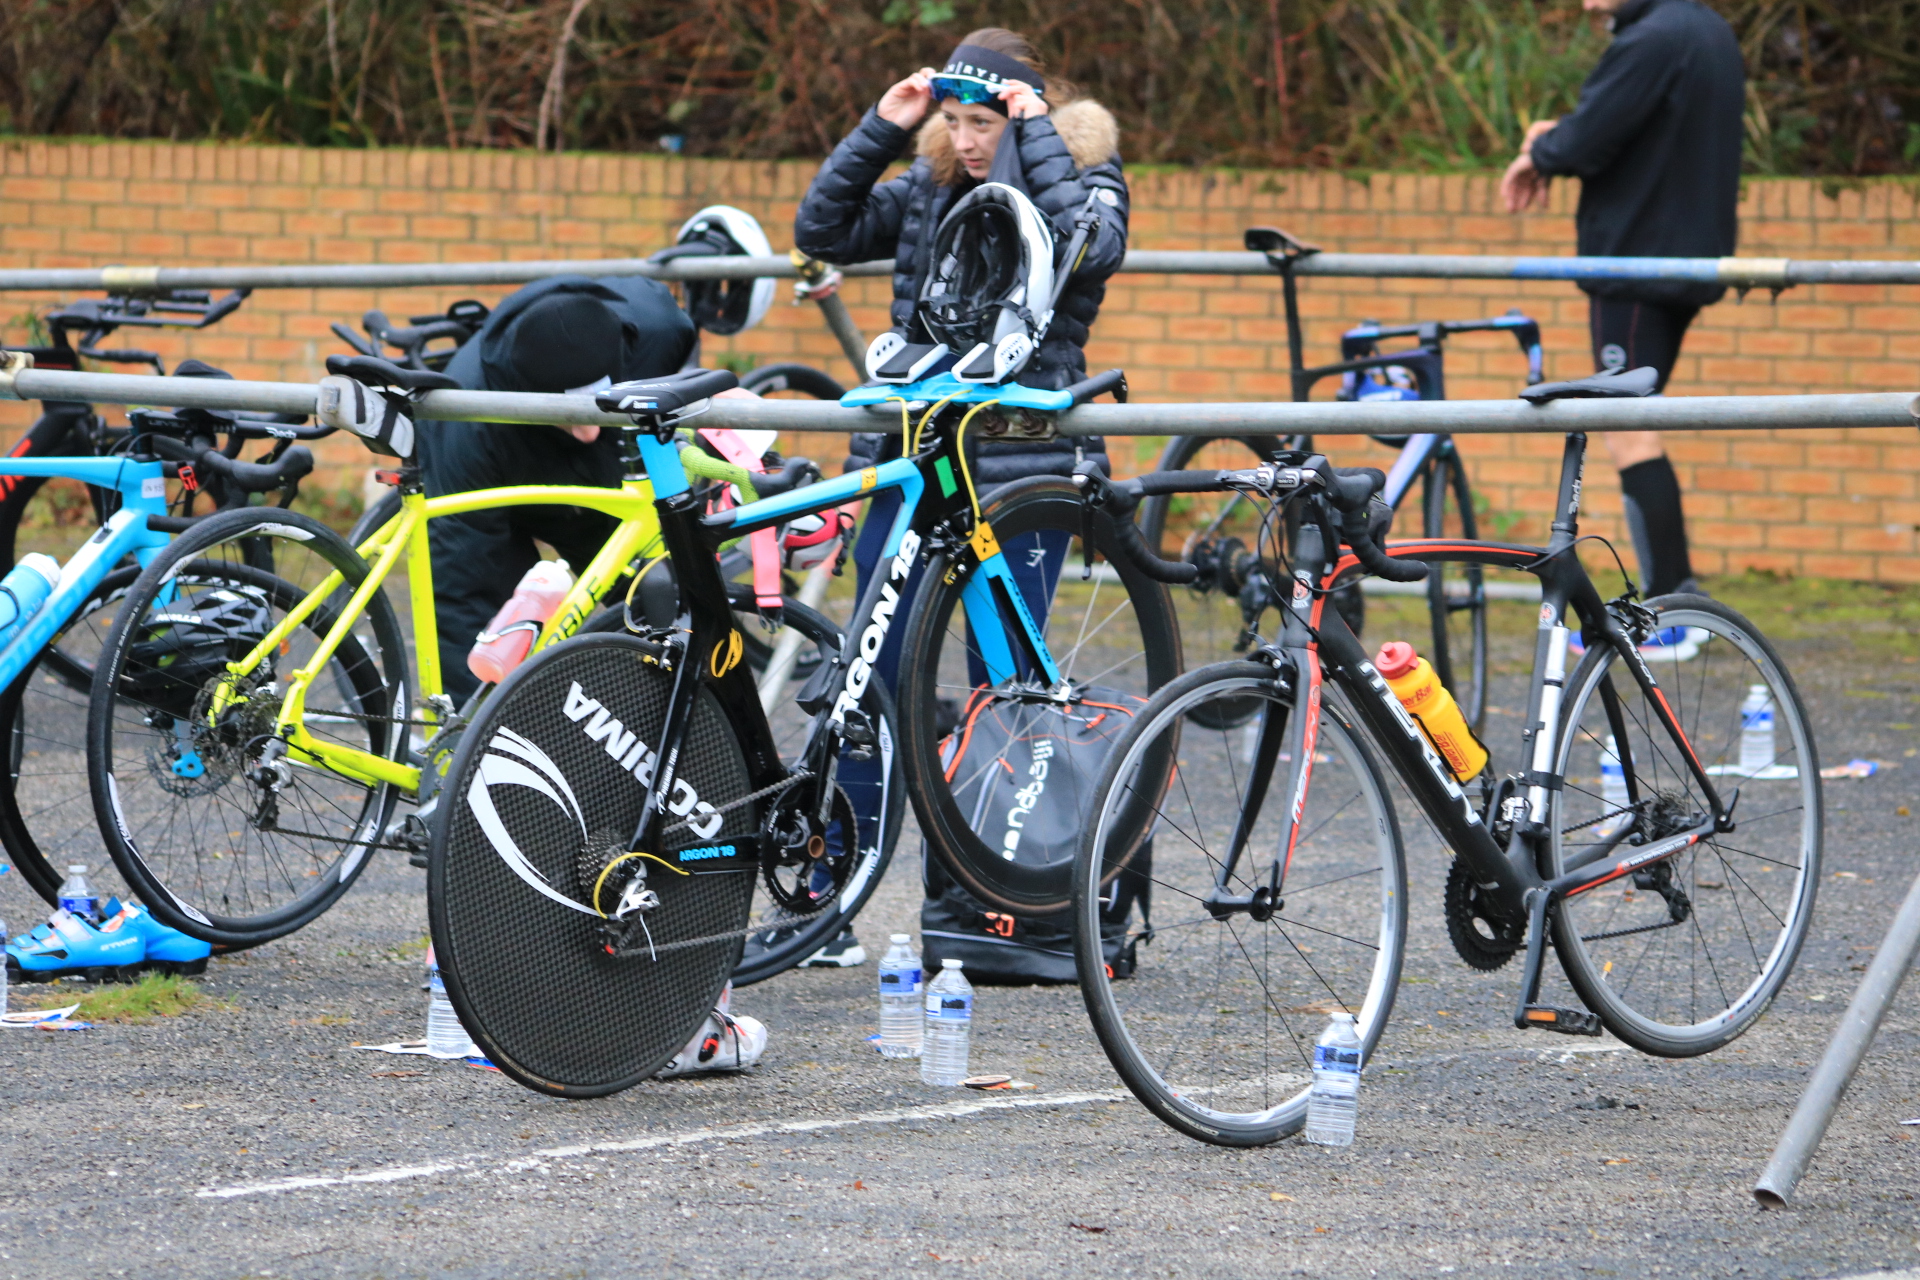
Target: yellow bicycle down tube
406	534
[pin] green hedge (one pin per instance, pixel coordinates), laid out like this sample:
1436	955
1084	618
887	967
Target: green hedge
1429	84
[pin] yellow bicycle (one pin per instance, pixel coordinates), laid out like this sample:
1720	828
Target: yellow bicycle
251	732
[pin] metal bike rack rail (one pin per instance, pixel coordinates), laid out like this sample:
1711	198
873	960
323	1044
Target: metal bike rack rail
1459	417
1738	273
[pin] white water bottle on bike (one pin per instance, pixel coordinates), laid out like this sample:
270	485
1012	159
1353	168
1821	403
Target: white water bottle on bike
943	1052
1334	1099
507	638
1756	730
24	589
902	1020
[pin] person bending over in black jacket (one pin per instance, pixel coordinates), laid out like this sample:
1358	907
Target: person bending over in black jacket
1655	141
566	333
1066	149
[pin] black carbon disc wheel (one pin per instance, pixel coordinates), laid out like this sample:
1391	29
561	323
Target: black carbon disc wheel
532	794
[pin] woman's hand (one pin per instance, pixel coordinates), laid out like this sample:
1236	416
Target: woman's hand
907	103
1022	102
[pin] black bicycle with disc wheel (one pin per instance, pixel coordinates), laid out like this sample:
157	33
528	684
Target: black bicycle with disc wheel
618	803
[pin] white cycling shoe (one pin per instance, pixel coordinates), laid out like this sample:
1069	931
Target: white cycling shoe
723	1043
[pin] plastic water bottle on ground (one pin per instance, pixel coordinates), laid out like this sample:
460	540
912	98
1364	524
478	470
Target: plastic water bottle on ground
503	645
78	897
1613	787
902	1020
949	1027
1335	1096
446	1038
1756	730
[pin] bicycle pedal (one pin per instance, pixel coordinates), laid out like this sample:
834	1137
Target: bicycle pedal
1568	1022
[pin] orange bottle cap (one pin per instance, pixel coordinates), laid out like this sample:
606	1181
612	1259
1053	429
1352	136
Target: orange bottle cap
1395	659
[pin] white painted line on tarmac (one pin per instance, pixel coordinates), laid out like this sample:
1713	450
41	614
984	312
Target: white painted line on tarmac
531	1159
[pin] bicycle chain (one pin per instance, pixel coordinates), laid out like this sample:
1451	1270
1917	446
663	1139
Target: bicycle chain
1621	933
788	781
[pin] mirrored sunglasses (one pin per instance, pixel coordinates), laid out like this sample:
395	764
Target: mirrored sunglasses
968	90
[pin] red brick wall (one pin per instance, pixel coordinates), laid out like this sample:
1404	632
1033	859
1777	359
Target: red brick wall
1830	504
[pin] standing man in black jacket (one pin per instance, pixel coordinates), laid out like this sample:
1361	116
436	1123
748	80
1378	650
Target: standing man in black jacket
1655	142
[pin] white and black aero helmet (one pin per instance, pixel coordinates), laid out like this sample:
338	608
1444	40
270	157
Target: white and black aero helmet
723	306
989	289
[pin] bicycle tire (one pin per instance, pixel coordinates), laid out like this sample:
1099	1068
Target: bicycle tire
801	379
145	739
525	969
1454	589
1611	927
46	820
1187	1017
1132	661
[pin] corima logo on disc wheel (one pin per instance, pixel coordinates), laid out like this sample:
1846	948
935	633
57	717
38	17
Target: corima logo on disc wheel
512	760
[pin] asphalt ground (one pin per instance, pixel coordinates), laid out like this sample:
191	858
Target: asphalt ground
253	1138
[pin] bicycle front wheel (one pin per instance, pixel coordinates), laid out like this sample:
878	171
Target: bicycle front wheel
225	831
1002	774
1211	1021
1683	956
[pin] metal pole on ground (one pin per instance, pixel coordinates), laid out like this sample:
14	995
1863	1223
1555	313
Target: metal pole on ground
1801	1138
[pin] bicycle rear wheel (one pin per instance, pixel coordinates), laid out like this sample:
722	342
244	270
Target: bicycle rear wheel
1005	818
1682	957
1212	1024
222	838
543	798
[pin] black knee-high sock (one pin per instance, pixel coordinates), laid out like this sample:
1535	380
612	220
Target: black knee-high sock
1659	528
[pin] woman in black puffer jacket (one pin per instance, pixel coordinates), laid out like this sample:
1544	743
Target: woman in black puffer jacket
1068	149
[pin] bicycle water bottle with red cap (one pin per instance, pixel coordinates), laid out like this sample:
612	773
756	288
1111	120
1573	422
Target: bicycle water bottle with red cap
1412	679
510	635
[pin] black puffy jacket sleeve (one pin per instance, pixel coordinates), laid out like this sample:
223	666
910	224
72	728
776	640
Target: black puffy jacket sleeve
1060	188
844	217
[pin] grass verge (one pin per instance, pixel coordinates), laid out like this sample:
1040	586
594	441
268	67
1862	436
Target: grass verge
155	995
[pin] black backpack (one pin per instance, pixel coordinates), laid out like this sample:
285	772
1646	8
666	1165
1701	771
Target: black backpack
1002	948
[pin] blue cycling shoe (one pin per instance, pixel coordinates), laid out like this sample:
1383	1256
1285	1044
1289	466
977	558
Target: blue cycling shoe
128	942
70	947
168	950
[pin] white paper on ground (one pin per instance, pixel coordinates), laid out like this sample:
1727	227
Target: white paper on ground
36	1017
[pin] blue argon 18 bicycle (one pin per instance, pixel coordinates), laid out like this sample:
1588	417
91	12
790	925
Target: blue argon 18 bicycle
615	800
46	667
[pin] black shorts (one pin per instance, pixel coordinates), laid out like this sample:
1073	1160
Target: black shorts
1628	335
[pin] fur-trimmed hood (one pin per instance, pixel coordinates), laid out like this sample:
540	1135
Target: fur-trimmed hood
1091	135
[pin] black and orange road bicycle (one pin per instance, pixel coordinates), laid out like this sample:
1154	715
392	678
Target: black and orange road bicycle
1661	828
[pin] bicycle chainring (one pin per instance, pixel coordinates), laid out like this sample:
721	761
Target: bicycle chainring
1483	938
803	864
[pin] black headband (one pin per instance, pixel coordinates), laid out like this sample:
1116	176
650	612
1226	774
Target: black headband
995	68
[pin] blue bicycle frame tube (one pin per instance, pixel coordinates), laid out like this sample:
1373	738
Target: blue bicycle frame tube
1413	456
904	475
143	492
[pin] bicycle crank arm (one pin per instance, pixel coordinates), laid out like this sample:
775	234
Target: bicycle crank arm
1528	1013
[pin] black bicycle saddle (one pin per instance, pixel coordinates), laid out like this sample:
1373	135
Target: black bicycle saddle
375	372
1614	384
662	396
